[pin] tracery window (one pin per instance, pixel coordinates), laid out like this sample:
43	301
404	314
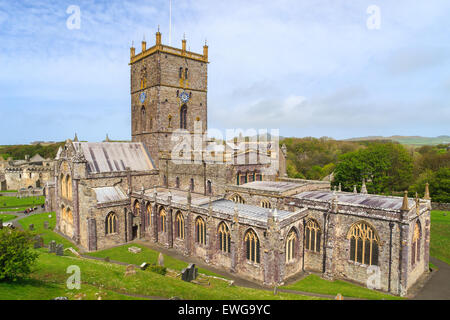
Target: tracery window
290	245
252	246
237	198
162	220
363	244
224	238
415	252
312	236
180	225
148	212
266	204
200	231
136	208
111	223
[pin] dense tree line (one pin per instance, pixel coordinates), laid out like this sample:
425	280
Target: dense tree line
387	167
18	152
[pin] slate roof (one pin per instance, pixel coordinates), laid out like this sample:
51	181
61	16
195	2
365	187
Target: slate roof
115	156
37	158
109	194
278	186
370	200
246	210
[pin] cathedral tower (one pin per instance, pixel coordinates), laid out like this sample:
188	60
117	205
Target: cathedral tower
168	92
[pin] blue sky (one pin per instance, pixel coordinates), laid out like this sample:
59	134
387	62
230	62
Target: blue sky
308	68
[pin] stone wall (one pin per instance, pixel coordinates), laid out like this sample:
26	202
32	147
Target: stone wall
440	206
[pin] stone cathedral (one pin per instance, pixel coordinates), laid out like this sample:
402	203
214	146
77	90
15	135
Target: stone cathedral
228	203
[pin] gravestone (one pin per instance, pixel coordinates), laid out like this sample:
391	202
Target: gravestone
45	224
1	223
60	298
60	249
52	247
275	291
130	270
31	227
161	260
106	259
38	242
134	249
185	275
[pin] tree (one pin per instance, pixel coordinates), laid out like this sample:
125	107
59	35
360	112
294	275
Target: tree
387	167
16	255
440	186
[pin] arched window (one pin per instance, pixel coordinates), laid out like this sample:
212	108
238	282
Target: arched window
415	257
136	208
63	213
312	236
363	244
180	225
224	238
111	223
170	121
180	72
69	216
192	184
165	181
143	118
69	187
290	245
183	117
162	220
209	187
186	73
177	182
148	213
266	204
252	246
63	186
200	231
237	198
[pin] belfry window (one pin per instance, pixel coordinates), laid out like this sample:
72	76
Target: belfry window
143	118
180	73
252	246
183	117
192	184
312	236
363	244
186	73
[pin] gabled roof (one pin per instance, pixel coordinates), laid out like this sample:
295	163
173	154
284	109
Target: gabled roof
115	156
37	158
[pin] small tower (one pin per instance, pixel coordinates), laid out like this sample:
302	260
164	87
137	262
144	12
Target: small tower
75	139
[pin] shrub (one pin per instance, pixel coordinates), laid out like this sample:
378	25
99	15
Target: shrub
16	255
158	269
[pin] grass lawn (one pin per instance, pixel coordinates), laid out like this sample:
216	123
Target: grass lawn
15	209
7	217
313	283
8	191
49	277
146	255
440	235
14	202
47	234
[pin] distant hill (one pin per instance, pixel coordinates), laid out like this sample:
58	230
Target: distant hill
408	140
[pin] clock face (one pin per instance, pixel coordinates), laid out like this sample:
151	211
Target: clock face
142	97
184	97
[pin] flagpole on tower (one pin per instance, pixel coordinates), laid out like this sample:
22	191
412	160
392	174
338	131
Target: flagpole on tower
170	22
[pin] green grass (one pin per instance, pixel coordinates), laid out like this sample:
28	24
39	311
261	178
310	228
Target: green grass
14	202
7	217
8	191
15	209
148	255
314	283
440	235
47	234
51	272
32	289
